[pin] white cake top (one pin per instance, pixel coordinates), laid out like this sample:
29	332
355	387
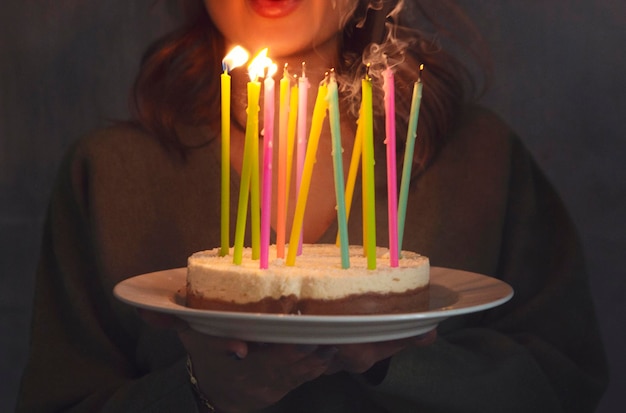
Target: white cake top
317	274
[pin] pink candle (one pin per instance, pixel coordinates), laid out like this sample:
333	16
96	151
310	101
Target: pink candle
303	86
392	182
268	143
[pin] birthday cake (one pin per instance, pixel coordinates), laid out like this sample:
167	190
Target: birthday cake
316	284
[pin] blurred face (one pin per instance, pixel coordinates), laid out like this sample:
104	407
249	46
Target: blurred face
286	27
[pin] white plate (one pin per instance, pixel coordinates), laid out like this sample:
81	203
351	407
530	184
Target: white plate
452	293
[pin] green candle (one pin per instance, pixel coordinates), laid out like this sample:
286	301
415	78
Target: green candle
335	131
408	158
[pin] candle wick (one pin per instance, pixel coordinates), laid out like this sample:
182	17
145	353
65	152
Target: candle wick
419	78
224	67
303	69
332	74
326	78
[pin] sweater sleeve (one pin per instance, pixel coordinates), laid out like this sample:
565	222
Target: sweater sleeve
85	351
541	351
484	206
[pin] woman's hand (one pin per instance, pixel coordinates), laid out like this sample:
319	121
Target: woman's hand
361	358
239	377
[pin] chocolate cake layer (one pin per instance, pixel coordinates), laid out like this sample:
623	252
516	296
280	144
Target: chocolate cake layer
365	304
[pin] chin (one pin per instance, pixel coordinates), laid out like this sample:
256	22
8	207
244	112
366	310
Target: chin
277	48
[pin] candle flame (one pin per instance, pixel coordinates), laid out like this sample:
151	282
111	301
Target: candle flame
271	68
238	56
259	64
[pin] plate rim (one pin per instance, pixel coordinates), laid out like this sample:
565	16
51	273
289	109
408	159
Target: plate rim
438	278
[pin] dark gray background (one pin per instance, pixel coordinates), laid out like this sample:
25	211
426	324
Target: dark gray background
66	66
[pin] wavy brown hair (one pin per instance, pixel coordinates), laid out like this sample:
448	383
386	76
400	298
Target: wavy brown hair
178	84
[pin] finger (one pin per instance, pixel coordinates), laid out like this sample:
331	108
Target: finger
288	366
283	354
309	367
161	320
237	349
358	358
425	339
196	342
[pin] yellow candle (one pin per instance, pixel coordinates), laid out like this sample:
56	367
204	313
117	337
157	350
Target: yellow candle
225	193
319	114
249	156
249	187
235	58
369	195
283	125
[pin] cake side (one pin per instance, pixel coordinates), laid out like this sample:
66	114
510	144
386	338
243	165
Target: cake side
316	284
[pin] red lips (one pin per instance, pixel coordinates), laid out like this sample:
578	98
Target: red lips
273	8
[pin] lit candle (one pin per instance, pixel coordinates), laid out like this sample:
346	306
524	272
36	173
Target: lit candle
369	195
319	114
283	125
303	90
335	131
235	58
268	148
411	134
248	189
392	183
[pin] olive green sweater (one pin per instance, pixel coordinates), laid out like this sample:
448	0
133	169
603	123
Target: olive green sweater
123	205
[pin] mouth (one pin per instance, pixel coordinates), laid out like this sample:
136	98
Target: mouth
273	9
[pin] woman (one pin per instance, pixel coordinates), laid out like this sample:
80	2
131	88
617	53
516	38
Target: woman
142	196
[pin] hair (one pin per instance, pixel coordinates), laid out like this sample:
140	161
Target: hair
173	88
